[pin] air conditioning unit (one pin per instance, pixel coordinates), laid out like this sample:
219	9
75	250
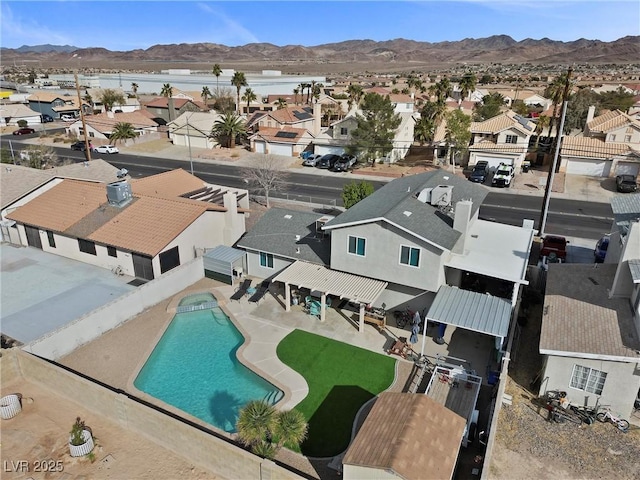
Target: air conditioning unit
441	195
119	193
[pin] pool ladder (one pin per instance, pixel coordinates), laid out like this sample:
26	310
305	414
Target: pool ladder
195	308
273	397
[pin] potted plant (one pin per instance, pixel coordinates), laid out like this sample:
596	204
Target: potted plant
80	439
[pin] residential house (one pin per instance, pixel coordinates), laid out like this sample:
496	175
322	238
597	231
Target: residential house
405	437
536	100
57	104
11	114
193	129
285	141
503	138
101	126
609	146
130	104
296	125
166	110
141	228
402	103
590	337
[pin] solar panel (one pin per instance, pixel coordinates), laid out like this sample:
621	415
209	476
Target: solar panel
302	115
523	121
286	134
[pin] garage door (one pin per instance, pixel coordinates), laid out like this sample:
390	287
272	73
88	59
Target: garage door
627	168
493	161
259	147
590	168
324	149
279	149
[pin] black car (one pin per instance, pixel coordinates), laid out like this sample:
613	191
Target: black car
345	163
480	172
80	146
327	161
46	118
626	183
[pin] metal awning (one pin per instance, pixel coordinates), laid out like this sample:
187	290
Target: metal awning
634	269
222	259
474	311
332	282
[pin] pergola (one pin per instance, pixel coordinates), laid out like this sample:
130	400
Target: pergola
319	278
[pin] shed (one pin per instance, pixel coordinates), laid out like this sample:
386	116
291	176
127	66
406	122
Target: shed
224	263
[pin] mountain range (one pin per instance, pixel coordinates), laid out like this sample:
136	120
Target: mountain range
391	53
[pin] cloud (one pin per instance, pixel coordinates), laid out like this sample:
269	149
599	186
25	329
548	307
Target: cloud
230	32
17	32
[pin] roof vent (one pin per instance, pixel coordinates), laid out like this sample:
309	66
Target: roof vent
119	193
288	217
297	238
407	213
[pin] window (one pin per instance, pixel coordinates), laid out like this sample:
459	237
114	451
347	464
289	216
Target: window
627	139
52	240
344	131
86	246
266	260
111	251
512	139
357	245
588	379
612	138
410	256
169	259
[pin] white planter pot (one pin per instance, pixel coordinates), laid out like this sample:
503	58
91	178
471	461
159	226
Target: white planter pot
10	406
85	448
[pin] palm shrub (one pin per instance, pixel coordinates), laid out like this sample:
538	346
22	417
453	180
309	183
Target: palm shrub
227	128
265	430
76	432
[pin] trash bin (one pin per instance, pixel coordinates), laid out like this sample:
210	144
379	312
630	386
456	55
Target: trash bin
525	167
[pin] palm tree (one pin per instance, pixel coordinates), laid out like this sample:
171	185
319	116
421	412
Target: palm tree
467	84
217	71
134	89
291	428
543	122
238	80
355	95
167	90
205	94
281	103
122	131
555	91
295	95
249	96
227	128
424	130
317	89
111	97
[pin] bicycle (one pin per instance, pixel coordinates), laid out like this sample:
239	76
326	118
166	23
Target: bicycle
403	317
607	416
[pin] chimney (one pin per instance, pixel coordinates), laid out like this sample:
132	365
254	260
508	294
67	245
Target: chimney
591	113
317	118
461	223
110	114
231	230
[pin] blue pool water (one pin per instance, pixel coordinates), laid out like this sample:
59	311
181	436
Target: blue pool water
194	368
197	299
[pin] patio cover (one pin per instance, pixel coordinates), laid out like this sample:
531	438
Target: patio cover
474	311
222	260
332	282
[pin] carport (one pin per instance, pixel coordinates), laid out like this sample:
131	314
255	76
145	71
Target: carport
478	312
224	263
318	278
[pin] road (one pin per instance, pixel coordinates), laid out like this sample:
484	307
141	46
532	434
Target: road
572	218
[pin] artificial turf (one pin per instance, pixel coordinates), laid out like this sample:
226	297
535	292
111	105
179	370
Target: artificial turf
341	378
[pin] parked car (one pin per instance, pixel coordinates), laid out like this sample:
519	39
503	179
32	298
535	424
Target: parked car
480	172
24	131
345	163
311	160
80	146
106	149
503	176
601	249
554	244
327	161
306	154
626	183
46	118
67	118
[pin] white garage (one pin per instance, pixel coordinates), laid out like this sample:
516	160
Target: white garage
281	149
493	161
588	167
325	149
627	168
259	147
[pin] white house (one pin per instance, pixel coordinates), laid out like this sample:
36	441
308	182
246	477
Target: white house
11	114
194	129
101	126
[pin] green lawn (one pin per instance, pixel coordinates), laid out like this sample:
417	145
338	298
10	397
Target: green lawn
341	379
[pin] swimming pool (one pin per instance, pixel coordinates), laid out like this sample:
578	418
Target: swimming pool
194	368
197	299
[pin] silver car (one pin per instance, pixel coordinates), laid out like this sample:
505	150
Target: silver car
311	160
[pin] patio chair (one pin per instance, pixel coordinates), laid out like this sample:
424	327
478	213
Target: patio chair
400	348
260	292
314	309
242	290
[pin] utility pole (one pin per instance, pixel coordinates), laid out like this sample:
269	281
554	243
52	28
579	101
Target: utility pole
87	149
552	167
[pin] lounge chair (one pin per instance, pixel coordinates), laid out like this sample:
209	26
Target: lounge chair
242	290
260	292
400	348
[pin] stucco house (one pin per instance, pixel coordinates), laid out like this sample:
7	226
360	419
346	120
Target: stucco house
285	141
193	129
100	126
57	104
609	146
166	109
141	228
503	138
590	335
11	114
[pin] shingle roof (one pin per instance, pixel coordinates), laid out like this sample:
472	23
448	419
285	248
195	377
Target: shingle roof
412	435
394	200
579	317
276	232
589	147
626	209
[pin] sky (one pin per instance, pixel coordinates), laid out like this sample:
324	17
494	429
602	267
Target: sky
128	25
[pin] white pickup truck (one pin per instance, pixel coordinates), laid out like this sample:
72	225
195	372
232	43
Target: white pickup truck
503	176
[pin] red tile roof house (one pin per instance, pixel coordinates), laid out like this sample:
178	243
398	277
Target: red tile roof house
99	127
143	228
287	131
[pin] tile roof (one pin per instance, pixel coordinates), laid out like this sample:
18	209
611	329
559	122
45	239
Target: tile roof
589	147
48	97
397	198
292	114
580	320
502	122
16	181
412	435
102	122
487	145
611	120
163	102
172	183
276	232
281	135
